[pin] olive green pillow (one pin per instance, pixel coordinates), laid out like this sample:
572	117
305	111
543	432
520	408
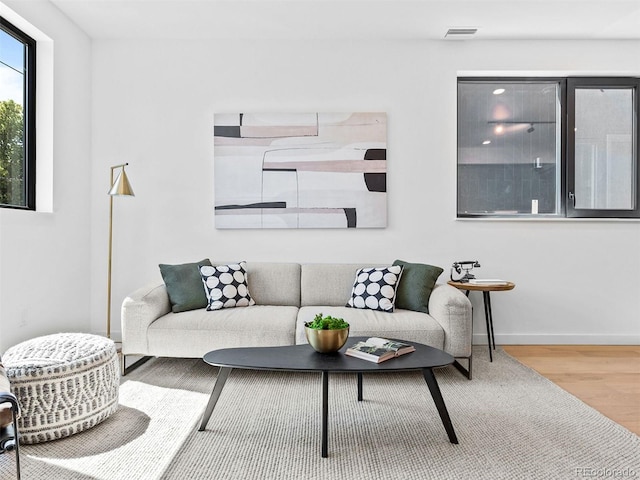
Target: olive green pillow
184	285
415	286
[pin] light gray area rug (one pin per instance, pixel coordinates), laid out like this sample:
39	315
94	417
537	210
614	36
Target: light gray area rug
510	421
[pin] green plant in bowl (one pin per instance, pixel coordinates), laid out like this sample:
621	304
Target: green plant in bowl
328	322
326	334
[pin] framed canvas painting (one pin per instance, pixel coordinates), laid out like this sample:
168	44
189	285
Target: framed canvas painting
300	170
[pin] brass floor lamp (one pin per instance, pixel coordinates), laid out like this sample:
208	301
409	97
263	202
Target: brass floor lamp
121	186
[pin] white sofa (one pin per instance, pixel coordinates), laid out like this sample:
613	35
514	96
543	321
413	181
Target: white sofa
288	295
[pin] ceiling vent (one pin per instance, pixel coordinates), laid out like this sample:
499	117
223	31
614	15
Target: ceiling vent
460	33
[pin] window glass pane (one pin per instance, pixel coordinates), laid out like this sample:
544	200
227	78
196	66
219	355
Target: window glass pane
12	158
508	148
604	158
11	52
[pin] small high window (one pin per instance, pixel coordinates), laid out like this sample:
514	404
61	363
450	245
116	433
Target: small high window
555	147
509	147
17	118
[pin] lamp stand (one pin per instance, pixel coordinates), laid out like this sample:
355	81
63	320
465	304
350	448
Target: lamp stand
121	186
110	255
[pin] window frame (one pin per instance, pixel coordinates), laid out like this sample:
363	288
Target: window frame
567	85
574	83
29	112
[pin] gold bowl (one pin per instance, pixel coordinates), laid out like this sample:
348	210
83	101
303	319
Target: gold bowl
326	341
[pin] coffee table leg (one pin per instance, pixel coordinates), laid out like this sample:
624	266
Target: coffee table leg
223	374
325	412
359	386
439	401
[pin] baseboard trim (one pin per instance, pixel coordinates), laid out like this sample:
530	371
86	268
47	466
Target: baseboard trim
558	339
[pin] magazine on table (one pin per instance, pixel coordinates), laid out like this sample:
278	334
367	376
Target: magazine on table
487	281
378	350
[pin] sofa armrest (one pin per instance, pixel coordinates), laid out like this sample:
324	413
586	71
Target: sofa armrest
452	310
8	401
8	405
139	310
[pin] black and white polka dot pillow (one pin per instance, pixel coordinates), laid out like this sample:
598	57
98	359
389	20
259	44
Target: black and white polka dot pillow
226	286
375	288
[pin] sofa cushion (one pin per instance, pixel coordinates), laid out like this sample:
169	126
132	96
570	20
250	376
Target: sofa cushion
192	334
375	288
273	283
184	285
226	286
415	287
327	283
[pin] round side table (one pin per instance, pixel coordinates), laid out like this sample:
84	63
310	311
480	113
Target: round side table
488	315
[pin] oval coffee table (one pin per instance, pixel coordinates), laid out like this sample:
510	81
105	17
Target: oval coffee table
302	358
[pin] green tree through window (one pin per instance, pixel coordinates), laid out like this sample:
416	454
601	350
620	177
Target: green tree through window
17	118
12	190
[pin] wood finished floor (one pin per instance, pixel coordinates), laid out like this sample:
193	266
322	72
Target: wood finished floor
606	377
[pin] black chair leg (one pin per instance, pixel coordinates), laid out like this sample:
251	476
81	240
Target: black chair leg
17	440
10	437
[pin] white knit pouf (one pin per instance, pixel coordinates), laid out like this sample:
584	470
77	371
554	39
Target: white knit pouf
65	383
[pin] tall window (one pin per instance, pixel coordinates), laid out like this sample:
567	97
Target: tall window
548	147
17	118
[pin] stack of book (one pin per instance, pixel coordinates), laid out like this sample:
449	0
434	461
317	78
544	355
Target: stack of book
378	350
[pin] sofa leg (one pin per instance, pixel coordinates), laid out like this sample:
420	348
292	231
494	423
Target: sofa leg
133	366
467	372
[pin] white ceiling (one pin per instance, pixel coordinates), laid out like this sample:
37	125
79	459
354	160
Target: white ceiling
356	19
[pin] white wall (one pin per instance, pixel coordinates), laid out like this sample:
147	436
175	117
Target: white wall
45	255
153	106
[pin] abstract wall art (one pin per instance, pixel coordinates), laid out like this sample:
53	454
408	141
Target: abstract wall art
300	170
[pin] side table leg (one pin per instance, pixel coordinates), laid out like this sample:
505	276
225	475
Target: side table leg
432	383
325	412
359	386
223	374
487	317
493	337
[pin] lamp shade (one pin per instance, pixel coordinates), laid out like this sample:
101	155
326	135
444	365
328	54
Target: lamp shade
121	186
